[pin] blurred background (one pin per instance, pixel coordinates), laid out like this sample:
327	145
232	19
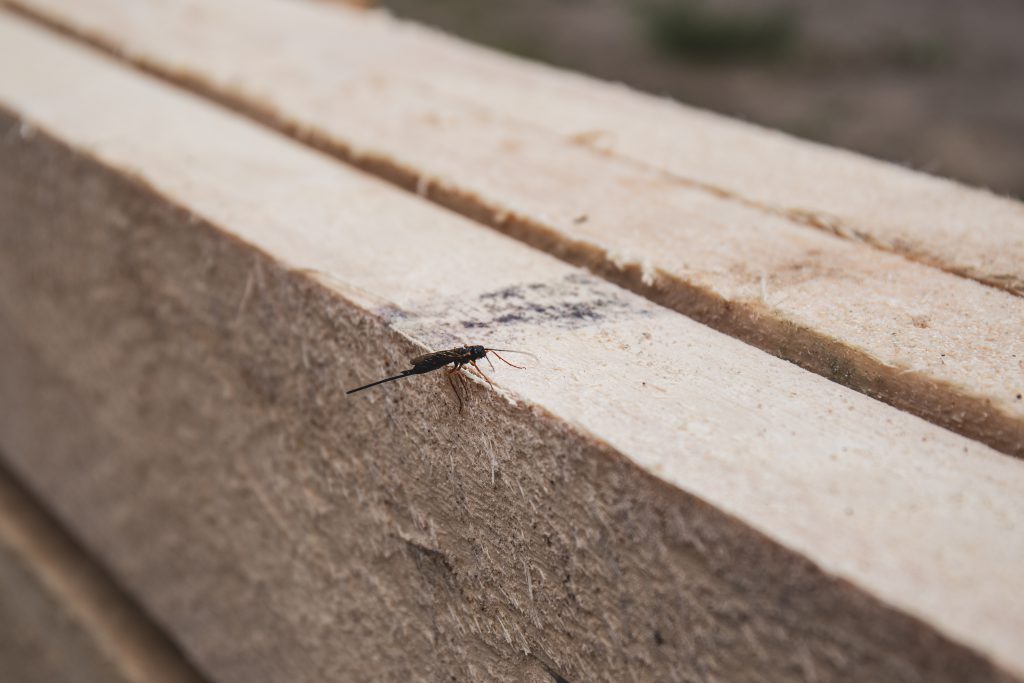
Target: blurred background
936	85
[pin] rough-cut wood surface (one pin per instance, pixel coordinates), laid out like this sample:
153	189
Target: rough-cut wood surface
61	618
652	500
668	202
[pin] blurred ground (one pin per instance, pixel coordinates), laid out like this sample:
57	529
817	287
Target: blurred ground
937	85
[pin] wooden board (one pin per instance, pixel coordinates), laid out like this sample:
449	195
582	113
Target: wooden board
650	500
709	217
61	618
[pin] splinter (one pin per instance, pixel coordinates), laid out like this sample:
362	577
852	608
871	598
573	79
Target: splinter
457	357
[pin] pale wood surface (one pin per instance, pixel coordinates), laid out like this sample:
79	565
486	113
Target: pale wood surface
678	478
667	201
61	618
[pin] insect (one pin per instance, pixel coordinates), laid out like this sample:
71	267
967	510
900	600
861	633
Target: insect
457	357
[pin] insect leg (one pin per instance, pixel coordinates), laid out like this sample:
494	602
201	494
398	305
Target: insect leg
449	373
465	384
481	373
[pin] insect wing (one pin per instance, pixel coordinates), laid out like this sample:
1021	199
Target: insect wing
426	356
432	361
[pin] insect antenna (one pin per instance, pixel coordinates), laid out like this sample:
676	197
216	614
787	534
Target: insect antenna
525	353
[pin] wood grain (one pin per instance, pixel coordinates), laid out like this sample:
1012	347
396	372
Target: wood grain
184	298
703	215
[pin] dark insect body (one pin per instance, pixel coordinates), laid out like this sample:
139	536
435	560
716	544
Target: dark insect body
457	357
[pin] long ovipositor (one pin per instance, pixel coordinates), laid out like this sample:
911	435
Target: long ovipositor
457	357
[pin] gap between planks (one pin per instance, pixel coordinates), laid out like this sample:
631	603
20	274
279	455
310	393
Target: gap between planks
115	628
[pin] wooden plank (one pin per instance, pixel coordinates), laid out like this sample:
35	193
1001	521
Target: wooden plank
931	220
61	618
935	344
653	500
